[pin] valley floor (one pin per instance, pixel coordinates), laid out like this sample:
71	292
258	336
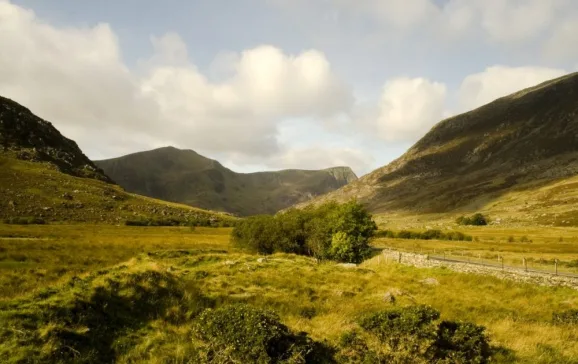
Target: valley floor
42	265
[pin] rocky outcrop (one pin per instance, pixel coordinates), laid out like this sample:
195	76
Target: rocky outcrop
29	137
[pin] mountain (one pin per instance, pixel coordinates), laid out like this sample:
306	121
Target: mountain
45	175
29	137
187	177
516	156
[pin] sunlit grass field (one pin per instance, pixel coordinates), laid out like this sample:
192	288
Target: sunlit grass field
35	255
322	299
539	246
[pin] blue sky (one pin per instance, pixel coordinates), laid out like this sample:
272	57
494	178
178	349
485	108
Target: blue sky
272	84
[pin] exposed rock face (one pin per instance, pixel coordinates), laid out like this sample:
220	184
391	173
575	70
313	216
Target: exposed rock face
187	177
31	138
521	141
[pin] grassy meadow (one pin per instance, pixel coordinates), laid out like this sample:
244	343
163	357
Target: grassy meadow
47	267
33	256
540	246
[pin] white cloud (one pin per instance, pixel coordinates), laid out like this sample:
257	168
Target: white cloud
243	112
75	77
515	20
498	21
399	13
409	107
497	81
561	44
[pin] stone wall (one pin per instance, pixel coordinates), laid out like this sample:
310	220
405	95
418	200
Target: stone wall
514	274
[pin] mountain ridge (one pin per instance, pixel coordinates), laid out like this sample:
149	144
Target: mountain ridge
186	176
522	141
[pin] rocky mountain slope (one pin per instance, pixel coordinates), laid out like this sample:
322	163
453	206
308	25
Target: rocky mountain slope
187	177
29	137
44	175
517	155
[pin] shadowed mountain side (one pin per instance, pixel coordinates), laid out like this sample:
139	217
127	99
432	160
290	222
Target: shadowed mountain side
522	141
187	177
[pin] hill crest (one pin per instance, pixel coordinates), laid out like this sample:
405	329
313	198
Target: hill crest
187	177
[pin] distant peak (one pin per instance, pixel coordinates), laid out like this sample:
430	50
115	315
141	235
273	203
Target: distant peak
342	173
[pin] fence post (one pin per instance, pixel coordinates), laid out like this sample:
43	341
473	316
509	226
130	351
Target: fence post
399	259
556	266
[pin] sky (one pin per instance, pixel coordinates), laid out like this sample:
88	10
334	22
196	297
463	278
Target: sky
274	84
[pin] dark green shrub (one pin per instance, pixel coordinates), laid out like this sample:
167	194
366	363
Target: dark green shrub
432	235
24	221
241	333
409	329
458	342
384	234
426	235
413	335
568	317
476	220
404	234
136	223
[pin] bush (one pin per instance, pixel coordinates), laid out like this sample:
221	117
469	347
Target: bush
426	235
409	329
241	333
192	222
413	335
24	221
460	342
330	231
476	220
568	317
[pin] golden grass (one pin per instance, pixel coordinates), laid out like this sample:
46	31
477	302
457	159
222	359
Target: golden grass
36	255
322	299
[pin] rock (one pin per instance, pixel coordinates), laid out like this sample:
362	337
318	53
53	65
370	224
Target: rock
230	262
430	282
67	196
12	204
262	260
389	297
347	265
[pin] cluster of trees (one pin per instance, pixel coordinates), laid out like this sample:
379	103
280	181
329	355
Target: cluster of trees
424	235
332	231
192	222
475	220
